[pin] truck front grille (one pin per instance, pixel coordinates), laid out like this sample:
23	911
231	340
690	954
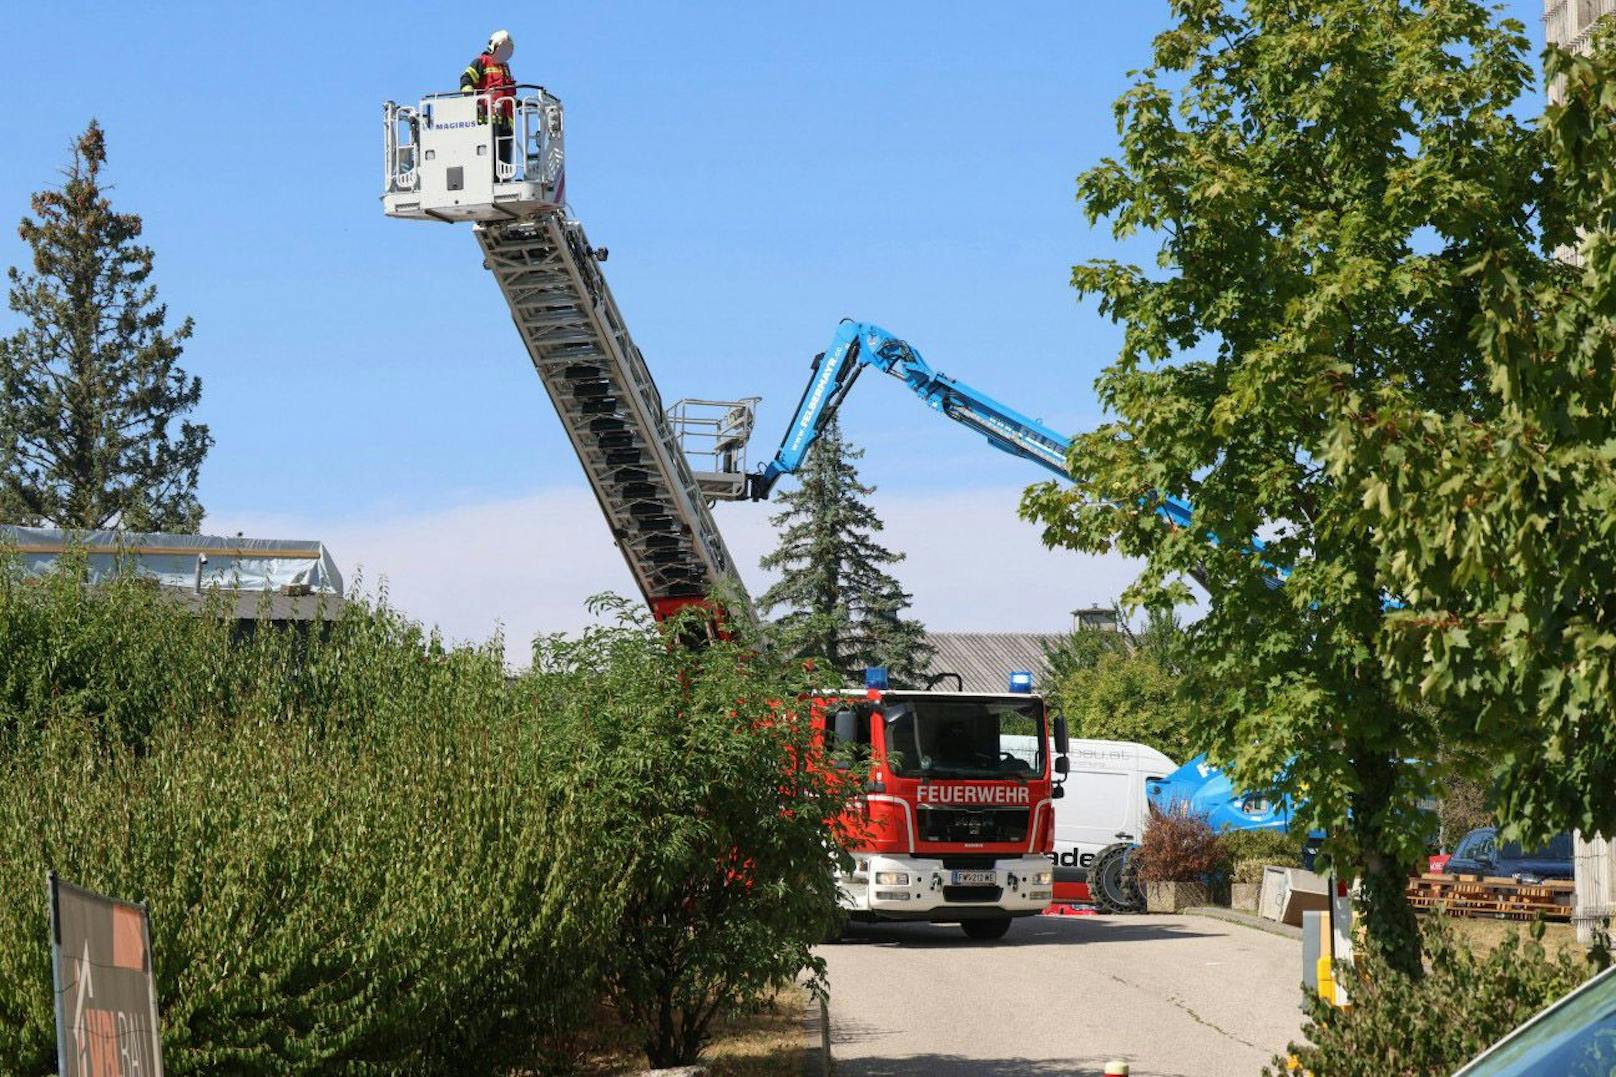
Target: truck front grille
973	824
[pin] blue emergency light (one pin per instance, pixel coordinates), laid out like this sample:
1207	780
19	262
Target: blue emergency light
875	678
1021	681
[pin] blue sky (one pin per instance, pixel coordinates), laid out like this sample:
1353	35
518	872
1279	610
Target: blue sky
757	171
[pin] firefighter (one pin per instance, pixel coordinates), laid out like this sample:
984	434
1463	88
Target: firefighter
490	74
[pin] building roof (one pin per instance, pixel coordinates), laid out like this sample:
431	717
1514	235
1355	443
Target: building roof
985	660
195	561
278	580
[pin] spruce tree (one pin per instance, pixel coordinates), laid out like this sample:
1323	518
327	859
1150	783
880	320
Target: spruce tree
841	605
92	401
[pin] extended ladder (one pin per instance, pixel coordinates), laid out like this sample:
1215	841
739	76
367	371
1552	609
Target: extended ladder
444	162
609	405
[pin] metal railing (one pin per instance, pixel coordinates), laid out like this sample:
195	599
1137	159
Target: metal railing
534	125
714	433
401	144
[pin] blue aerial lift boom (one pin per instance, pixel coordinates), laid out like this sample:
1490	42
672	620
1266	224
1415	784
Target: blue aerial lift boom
860	344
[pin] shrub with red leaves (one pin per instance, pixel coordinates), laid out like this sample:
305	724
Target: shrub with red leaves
1178	847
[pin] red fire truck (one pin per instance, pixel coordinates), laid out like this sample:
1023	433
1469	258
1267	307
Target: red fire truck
956	818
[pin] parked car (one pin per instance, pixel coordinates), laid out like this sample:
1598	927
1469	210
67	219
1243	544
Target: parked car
1479	853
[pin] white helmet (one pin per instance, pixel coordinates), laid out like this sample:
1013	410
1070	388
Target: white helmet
501	45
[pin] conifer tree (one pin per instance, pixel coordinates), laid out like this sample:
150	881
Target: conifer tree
92	401
841	605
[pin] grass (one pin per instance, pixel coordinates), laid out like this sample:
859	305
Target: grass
770	1041
1484	935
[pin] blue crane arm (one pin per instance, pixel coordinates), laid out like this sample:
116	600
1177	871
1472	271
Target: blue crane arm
860	344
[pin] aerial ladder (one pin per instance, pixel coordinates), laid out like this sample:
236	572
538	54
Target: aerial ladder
443	163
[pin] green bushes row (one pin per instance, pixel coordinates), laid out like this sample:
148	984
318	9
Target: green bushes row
1244	853
1466	1001
365	852
1181	847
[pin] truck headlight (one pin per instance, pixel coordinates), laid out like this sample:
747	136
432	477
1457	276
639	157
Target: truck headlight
892	878
1043	878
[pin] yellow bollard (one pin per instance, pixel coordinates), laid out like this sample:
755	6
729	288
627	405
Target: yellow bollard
1116	1068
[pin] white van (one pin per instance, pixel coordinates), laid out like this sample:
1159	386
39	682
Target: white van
1103	811
1100	816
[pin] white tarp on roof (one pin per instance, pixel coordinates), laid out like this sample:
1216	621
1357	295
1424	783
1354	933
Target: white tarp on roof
240	564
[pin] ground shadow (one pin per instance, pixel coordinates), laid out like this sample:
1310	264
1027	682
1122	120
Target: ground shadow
1031	931
957	1066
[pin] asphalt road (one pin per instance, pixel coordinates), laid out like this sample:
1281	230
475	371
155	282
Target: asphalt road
1171	995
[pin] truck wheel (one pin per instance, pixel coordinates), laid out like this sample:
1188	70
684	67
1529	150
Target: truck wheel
986	929
1111	881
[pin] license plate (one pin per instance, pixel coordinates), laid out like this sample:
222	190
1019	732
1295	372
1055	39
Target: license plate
974	878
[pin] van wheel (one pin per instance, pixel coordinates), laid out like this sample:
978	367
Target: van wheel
986	929
1111	881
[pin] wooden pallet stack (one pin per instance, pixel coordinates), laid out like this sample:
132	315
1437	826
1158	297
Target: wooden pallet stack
1489	896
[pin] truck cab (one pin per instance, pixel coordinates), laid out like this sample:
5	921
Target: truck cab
955	819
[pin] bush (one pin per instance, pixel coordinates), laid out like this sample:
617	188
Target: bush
725	873
366	852
340	875
1248	869
1178	847
1465	1002
1247	852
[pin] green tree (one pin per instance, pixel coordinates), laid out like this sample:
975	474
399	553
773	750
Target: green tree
1464	799
1318	177
692	782
92	400
1126	685
841	604
1497	523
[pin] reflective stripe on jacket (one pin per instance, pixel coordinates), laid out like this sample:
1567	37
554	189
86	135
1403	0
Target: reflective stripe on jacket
487	75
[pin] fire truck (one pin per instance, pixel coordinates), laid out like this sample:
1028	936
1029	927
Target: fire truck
956	817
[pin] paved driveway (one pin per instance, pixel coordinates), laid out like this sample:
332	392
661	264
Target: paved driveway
1172	995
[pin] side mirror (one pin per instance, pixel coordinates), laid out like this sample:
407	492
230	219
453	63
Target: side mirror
846	726
1056	793
1062	741
1063	766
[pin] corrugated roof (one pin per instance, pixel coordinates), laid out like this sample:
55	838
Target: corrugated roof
985	660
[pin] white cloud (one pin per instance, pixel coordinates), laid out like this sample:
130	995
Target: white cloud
530	563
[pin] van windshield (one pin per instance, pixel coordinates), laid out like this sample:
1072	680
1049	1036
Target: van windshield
952	737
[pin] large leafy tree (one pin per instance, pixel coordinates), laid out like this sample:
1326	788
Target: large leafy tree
1497	524
1126	685
1319	177
840	603
92	399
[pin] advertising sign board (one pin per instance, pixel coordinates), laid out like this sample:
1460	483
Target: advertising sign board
106	1000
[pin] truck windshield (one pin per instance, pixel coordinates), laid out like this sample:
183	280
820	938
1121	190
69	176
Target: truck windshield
965	738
